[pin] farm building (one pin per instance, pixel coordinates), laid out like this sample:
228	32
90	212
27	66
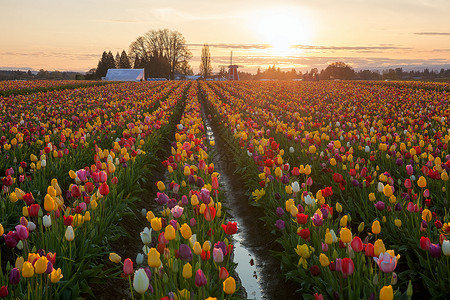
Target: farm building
124	75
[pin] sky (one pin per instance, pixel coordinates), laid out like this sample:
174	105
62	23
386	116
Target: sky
374	34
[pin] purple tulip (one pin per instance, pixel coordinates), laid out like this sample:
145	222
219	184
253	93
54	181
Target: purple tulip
21	232
191	179
409	170
205	196
185	252
200	182
221	245
285	179
280	211
162	198
399	162
192	222
49	269
148	272
380	205
435	250
398	207
324	213
184	200
200	278
14	276
10	239
280	224
317	220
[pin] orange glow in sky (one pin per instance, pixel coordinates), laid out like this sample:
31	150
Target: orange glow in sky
71	35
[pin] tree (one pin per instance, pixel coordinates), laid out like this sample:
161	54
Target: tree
102	66
338	70
110	61
205	62
124	62
117	60
223	72
162	51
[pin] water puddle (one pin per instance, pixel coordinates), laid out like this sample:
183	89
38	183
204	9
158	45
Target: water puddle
259	272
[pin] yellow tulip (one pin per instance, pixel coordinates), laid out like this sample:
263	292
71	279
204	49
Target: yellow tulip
398	223
114	257
1	230
206	246
19	263
156	224
161	186
56	275
378	247
169	233
422	182
229	285
41	265
346	235
387	190
426	215
197	248
153	258
13	197
186	231
376	228
386	293
49	203
194	200
187	271
27	270
150	215
324	261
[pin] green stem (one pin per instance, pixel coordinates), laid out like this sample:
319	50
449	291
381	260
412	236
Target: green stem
131	288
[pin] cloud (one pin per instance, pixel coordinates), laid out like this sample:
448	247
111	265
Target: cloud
312	48
351	48
234	46
251	63
119	21
63	55
432	33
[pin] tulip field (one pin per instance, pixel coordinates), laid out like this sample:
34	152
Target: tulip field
350	178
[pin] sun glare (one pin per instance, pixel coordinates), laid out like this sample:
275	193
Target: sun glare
282	29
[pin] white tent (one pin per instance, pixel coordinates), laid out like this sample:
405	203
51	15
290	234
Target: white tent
124	75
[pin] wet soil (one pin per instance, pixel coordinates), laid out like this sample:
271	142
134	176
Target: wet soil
258	270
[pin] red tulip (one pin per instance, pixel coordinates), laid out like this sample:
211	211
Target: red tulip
230	228
357	244
104	189
128	267
347	266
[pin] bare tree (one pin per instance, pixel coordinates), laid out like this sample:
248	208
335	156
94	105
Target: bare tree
163	52
205	63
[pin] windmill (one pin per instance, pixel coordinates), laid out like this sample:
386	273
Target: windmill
232	69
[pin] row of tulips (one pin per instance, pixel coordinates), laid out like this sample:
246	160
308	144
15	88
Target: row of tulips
187	253
63	235
313	213
15	87
396	162
34	155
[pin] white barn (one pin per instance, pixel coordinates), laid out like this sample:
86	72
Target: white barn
124	75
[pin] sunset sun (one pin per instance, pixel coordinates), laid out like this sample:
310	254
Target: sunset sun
282	29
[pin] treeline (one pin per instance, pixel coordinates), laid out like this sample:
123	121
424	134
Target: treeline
108	61
161	53
342	71
41	75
